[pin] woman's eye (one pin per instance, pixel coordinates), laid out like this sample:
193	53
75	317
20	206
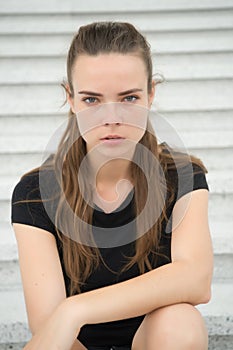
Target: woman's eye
130	98
90	100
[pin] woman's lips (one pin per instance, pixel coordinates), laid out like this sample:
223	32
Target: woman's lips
112	139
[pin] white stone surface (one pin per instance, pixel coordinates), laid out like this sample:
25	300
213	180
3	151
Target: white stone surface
171	96
50	69
172	67
219	181
167	42
13	325
16	164
156	21
219	311
189	121
192	45
55	6
220	207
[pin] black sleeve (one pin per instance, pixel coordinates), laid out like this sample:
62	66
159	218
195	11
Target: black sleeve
184	180
30	213
190	178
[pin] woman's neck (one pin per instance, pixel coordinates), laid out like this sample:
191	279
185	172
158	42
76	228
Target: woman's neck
112	184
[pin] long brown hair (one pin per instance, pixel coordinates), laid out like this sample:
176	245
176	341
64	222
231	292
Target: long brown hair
80	259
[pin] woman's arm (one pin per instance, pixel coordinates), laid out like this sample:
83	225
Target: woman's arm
43	284
187	279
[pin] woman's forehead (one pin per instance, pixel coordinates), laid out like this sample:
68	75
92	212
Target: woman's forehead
127	71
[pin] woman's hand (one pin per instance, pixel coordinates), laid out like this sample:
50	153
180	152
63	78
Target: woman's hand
59	331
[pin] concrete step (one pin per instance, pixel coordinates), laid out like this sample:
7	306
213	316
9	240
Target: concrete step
180	122
71	6
22	70
11	280
193	96
16	164
12	346
195	121
38	99
31	45
34	125
214	158
218	316
220	207
13	326
154	20
186	42
186	141
172	67
8	244
171	97
221	233
216	65
19	163
220	182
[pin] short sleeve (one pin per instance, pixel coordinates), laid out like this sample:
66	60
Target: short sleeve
33	212
190	178
183	181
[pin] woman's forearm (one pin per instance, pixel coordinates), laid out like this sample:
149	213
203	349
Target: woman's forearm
170	284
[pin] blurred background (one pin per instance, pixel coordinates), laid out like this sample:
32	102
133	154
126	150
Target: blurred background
192	45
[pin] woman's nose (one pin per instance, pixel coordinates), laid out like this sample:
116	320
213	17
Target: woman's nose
112	114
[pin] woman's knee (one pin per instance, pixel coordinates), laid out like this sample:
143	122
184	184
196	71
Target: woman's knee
179	326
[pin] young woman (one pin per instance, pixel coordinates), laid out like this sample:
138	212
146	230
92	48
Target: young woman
112	229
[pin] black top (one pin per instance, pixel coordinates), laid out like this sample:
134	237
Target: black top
119	332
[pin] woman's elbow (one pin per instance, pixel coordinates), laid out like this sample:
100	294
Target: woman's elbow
203	289
206	296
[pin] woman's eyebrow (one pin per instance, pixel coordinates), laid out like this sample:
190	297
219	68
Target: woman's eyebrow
89	93
101	95
129	91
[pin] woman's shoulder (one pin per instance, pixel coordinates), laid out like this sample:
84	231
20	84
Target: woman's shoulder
27	187
30	184
29	201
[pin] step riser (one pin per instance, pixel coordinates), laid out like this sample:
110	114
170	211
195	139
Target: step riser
19	163
218	183
215	343
178	122
166	42
50	70
71	6
221	234
10	274
220	207
12	346
187	140
158	22
220	342
223	268
171	96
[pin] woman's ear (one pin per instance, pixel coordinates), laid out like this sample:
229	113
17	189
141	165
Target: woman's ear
69	97
152	93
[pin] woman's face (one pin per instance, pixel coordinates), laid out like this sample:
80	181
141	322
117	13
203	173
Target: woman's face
110	99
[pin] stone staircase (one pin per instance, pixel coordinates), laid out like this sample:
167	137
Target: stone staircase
192	44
